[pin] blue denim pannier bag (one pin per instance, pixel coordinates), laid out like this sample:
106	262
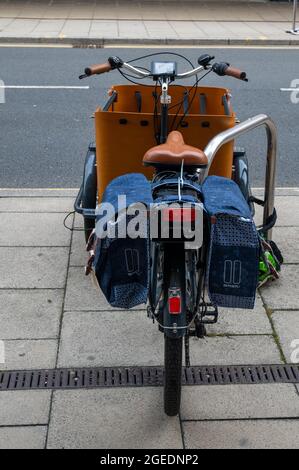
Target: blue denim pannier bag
233	261
121	264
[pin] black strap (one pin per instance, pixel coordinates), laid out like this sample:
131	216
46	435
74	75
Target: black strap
276	251
259	202
202	103
139	100
271	220
186	102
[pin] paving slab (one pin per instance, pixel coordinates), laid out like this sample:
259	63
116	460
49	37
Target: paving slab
286	325
283	293
219	30
287	208
186	29
82	12
286	239
287	211
234	350
18	229
27	437
48	26
82	293
35	204
5	22
30	314
29	354
260	434
109	339
73	27
79	255
160	29
105	419
93	339
239	402
23	408
105	11
238	321
102	29
25	25
132	29
33	267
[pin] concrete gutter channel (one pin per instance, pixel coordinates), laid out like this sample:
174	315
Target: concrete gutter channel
53	319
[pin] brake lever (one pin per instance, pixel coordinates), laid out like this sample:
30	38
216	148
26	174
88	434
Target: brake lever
205	59
83	76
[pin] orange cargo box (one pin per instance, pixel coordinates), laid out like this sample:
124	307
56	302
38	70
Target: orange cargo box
127	125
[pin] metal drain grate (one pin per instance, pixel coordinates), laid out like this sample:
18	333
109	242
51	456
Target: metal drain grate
62	379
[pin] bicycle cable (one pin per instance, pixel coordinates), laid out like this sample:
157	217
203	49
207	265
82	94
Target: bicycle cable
192	99
73	229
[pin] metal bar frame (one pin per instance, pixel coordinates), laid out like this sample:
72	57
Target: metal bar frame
227	136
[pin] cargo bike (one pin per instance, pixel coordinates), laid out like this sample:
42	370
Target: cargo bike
171	147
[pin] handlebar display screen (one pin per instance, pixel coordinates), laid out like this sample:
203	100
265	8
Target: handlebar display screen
164	68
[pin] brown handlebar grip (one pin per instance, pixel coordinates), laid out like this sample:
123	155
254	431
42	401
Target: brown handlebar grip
98	69
236	73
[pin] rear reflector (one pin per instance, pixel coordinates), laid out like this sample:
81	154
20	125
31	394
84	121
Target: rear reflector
174	305
179	214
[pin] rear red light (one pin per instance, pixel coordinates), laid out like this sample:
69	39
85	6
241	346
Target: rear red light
179	214
174	305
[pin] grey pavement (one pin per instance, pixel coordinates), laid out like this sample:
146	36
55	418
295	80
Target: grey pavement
147	22
278	434
51	315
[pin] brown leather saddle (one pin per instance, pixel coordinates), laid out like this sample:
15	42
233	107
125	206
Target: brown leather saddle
173	152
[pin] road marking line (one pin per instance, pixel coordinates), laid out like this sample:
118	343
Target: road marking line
45	87
289	89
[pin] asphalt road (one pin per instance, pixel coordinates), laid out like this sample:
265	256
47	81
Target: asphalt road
44	133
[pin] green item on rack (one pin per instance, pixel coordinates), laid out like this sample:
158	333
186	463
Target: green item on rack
268	265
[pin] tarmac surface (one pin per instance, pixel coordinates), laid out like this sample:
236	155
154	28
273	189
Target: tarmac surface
47	131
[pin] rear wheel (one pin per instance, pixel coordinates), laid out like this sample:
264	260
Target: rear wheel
173	375
174	265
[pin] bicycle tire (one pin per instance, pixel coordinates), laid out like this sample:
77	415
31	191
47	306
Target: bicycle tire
173	345
173	375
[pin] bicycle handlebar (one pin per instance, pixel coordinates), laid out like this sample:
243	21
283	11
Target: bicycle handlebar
236	73
225	69
98	69
221	69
